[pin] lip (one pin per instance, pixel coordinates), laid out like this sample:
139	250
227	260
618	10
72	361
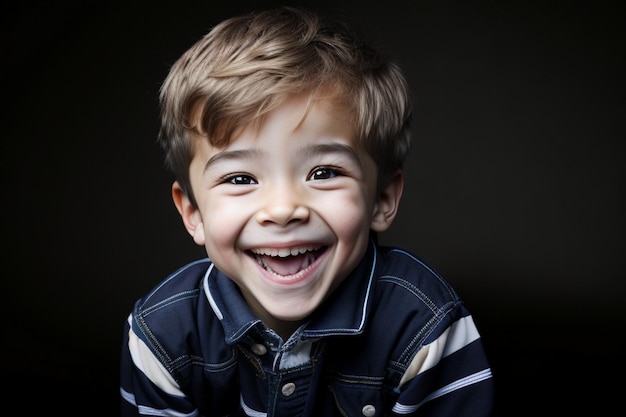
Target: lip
301	277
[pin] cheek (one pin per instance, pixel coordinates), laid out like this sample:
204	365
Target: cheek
348	215
222	224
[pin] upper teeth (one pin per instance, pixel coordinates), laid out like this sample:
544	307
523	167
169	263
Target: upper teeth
283	252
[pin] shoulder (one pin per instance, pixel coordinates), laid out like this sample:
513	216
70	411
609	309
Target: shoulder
173	326
180	284
411	299
175	305
402	271
411	306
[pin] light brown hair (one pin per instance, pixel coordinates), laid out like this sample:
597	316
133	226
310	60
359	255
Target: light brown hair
246	65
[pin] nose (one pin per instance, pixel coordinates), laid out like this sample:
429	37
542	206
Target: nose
283	204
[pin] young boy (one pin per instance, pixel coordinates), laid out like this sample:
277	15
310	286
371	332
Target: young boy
287	139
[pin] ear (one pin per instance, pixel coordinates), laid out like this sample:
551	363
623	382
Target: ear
192	219
387	203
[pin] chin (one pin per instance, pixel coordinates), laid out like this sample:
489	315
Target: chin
292	314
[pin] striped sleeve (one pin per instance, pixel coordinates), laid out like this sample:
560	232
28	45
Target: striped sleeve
450	376
147	389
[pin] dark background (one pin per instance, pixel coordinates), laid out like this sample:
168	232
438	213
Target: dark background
515	186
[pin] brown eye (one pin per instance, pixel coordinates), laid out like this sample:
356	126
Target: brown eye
322	173
241	180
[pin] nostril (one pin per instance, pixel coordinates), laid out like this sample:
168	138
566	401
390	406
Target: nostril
295	220
283	214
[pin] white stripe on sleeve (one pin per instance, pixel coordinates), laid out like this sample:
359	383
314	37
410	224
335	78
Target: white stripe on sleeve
460	334
144	360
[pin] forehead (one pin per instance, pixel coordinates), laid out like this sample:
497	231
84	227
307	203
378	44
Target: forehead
300	125
322	113
220	121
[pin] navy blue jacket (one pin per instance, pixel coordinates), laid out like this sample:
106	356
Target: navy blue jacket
394	339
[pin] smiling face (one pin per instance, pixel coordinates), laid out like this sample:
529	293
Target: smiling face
285	209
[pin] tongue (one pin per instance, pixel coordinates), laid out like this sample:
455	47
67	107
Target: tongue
285	266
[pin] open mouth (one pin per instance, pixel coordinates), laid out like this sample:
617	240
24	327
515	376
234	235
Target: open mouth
286	262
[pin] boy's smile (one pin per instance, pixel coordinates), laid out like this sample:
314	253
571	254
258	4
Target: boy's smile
285	210
287	265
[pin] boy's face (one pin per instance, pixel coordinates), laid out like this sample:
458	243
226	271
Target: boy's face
285	210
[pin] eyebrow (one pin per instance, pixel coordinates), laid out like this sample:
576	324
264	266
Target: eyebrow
231	155
337	148
312	150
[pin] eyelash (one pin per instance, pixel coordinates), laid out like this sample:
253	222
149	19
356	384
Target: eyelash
244	179
332	172
236	179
